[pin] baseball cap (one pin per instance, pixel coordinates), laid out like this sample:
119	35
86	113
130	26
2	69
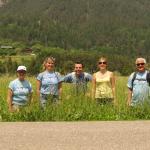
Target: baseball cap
21	68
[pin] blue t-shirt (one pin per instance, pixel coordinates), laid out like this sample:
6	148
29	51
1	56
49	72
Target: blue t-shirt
141	89
79	82
49	82
20	90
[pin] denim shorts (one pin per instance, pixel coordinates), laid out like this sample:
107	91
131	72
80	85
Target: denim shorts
47	98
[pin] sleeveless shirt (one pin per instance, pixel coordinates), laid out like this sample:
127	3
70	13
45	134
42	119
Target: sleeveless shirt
103	87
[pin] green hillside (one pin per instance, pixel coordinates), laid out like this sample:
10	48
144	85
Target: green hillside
106	25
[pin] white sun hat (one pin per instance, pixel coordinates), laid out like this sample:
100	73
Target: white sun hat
21	68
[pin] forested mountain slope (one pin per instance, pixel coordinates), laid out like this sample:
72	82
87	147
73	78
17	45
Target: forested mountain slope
112	26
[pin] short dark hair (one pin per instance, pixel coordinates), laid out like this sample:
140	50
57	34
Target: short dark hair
79	62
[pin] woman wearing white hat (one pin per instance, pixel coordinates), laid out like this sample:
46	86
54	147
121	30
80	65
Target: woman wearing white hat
19	91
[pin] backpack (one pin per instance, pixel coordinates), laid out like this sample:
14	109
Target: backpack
147	78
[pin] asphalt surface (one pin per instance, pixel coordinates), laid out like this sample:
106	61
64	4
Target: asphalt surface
102	135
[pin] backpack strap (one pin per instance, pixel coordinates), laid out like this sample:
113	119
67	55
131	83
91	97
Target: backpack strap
85	77
148	77
134	76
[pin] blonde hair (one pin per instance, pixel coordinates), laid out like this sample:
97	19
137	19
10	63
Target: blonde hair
48	59
102	58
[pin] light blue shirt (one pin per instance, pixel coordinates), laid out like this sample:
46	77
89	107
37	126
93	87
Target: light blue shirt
49	82
20	90
141	89
79	82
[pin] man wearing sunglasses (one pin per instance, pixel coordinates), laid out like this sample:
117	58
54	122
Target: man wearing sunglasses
138	84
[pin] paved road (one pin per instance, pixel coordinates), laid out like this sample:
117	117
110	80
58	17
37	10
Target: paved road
131	135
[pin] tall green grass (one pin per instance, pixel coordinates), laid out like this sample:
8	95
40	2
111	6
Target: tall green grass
71	107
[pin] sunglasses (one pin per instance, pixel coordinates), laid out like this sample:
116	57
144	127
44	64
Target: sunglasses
21	71
104	62
140	64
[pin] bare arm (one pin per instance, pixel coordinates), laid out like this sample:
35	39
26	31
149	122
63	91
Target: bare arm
38	86
93	86
60	89
129	97
30	97
113	82
9	100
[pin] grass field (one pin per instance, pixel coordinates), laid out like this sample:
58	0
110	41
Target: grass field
72	108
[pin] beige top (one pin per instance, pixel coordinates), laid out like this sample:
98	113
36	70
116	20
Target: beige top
103	87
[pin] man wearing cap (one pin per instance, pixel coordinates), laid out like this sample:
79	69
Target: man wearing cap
139	84
19	91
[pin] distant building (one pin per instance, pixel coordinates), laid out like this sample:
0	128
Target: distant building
6	47
27	50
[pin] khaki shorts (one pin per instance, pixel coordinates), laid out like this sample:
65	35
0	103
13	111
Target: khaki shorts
17	107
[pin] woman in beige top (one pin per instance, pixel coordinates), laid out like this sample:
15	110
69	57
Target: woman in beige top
103	84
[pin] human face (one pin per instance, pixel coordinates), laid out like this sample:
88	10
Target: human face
140	65
78	69
21	74
49	65
102	64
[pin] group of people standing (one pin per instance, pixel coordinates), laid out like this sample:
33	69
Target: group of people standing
49	84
